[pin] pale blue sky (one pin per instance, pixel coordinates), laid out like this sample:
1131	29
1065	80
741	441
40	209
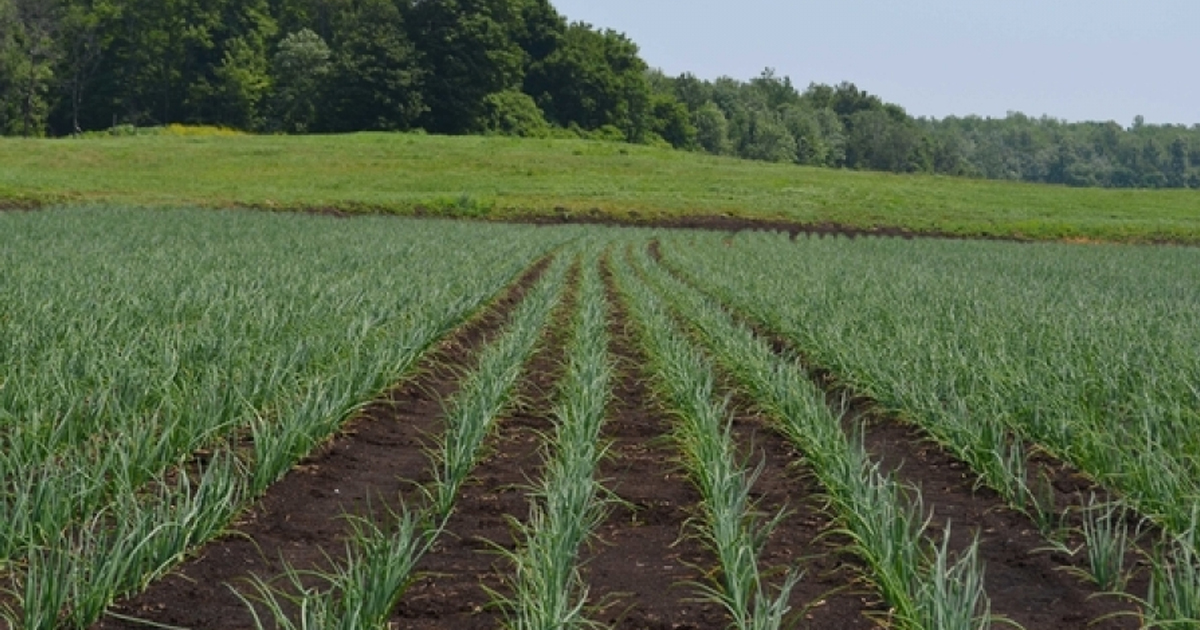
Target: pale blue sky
1072	59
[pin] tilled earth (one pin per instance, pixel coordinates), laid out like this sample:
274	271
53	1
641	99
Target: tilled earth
647	559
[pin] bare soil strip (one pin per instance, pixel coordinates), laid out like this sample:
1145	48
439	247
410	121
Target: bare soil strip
464	563
563	216
831	594
727	223
378	457
1025	581
639	571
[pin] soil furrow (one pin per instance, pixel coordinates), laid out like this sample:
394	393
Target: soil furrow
640	571
378	457
1025	581
831	594
465	563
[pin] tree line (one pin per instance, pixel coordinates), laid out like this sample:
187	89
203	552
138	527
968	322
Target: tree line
767	118
302	66
508	67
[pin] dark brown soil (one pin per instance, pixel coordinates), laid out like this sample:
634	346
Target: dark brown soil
831	591
1028	579
827	597
1025	580
466	561
641	569
19	204
378	457
713	223
595	216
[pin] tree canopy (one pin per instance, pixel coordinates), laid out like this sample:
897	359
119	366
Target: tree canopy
504	66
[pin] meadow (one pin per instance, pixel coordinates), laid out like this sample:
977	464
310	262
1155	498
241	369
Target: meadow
242	419
511	178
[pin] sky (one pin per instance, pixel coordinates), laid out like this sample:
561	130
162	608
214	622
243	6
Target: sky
1070	59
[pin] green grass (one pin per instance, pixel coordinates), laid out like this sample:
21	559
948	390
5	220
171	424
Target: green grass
506	178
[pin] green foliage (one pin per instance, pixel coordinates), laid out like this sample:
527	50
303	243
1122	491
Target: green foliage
486	392
379	564
537	28
592	80
712	129
300	68
776	92
878	141
376	76
671	121
1076	154
765	137
941	332
569	503
174	335
28	51
241	82
468	52
843	125
456	67
514	113
358	595
1173	601
462	206
885	522
233	41
731	525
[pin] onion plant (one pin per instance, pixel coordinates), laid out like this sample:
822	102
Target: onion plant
567	505
1087	353
157	360
361	589
488	389
1107	540
733	526
1173	601
885	522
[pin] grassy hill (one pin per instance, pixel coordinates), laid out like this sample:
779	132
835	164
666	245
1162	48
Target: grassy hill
509	178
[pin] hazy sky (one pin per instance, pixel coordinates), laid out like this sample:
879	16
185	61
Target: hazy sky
1072	59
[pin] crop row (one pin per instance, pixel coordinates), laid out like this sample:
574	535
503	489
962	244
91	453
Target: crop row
361	591
568	502
734	529
884	521
163	375
160	377
999	349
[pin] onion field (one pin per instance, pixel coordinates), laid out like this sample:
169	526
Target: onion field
237	419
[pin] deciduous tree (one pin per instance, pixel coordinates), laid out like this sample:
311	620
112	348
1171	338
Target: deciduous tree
300	68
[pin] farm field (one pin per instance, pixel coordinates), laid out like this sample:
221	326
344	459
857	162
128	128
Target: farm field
236	419
526	179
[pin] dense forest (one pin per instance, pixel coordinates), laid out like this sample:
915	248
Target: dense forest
506	67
